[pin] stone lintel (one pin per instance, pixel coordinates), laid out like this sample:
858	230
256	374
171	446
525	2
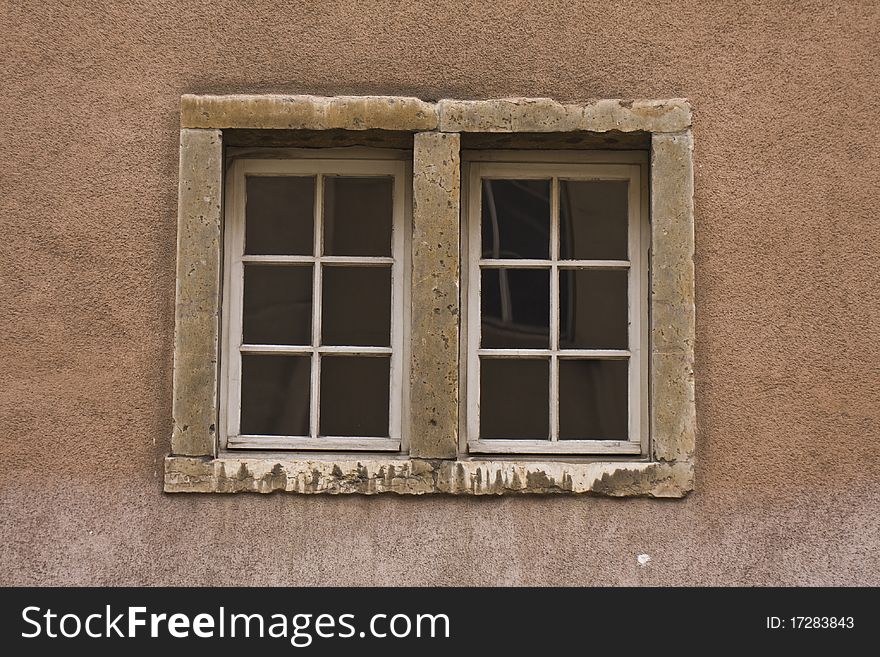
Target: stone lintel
308	112
302	112
197	304
546	115
434	384
373	475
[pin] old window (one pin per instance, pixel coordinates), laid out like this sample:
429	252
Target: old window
313	304
556	303
384	294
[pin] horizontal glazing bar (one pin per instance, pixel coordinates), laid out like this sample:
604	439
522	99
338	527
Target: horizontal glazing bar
366	261
360	351
275	349
525	263
599	354
604	354
307	349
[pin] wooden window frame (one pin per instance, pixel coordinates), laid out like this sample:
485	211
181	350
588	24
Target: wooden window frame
555	166
317	163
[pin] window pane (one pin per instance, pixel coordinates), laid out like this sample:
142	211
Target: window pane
593	220
280	215
515	308
516	219
356	308
354	396
357	216
593	399
514	398
593	309
277	304
275	395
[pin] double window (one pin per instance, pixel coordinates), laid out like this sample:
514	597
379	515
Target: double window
554	304
385	294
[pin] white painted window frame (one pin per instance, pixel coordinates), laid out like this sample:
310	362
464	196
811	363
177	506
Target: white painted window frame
555	165
320	164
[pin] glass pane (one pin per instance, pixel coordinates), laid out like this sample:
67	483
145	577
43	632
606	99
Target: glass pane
514	398
593	219
593	309
593	399
515	308
277	304
280	215
275	395
357	216
354	396
356	307
516	219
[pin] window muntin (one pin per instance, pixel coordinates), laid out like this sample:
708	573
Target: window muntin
313	318
563	246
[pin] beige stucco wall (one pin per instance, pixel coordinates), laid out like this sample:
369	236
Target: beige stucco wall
788	291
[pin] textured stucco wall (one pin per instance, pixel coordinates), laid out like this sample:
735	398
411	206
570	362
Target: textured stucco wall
788	290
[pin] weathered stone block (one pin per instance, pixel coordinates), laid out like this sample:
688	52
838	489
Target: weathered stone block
197	305
370	476
672	244
434	385
546	115
673	417
308	112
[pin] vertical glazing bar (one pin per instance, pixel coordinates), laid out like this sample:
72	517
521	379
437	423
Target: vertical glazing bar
554	310
314	397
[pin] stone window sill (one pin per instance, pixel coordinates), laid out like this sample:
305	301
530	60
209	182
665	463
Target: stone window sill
370	476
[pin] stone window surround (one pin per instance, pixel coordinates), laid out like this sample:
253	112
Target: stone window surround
434	464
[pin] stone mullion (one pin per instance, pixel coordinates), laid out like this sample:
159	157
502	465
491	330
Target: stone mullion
434	382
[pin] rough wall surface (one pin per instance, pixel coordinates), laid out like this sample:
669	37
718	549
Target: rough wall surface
788	290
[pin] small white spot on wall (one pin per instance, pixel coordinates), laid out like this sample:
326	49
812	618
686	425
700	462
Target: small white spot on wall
643	559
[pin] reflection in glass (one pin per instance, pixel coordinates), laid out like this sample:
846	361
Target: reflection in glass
275	395
593	309
515	219
280	215
356	308
277	304
357	216
514	398
593	399
593	219
354	396
515	308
